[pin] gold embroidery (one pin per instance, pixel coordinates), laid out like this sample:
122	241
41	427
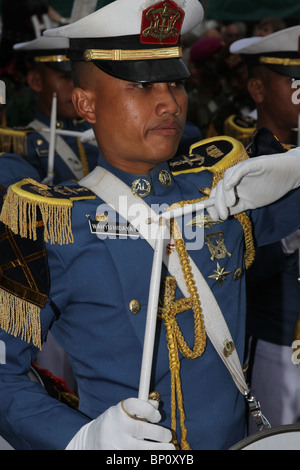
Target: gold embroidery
137	54
163	22
219	249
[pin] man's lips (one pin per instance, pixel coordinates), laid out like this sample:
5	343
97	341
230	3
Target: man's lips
167	128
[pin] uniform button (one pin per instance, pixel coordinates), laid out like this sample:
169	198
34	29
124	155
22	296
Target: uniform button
165	178
141	187
238	274
134	306
229	347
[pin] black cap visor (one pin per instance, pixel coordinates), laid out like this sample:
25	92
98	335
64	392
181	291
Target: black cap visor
64	66
145	71
141	71
265	59
292	71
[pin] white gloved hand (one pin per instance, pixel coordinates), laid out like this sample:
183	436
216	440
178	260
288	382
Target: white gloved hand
88	136
255	182
116	430
291	243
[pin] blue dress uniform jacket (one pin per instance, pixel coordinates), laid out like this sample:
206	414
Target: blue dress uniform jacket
14	168
38	150
273	290
92	284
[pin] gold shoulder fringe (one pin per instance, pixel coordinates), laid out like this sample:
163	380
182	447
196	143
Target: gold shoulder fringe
14	140
19	213
20	318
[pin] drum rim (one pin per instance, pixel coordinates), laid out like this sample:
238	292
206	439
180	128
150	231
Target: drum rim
265	433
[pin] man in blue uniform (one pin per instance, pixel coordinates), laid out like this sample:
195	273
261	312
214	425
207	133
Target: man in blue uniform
273	290
49	72
97	239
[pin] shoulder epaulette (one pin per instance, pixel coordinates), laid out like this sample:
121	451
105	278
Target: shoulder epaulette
14	140
264	142
23	200
24	284
240	127
216	154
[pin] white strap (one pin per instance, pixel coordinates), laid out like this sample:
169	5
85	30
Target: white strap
63	149
110	189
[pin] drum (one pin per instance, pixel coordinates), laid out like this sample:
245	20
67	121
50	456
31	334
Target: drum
285	437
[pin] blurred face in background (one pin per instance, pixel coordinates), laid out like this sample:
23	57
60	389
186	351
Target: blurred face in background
45	81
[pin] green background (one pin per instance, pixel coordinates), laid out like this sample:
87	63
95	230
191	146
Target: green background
234	10
64	7
222	10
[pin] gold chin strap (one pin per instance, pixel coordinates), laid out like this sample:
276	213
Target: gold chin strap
138	54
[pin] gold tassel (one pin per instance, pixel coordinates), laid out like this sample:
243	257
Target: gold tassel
12	140
20	318
19	213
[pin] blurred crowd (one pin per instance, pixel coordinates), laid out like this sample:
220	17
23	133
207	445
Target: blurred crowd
21	21
217	87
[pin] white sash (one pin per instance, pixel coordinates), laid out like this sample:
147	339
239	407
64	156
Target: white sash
109	188
63	149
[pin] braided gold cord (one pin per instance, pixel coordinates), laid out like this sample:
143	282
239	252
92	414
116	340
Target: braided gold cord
83	157
249	243
175	337
171	308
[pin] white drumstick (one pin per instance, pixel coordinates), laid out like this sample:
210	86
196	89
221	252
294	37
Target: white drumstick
49	178
151	319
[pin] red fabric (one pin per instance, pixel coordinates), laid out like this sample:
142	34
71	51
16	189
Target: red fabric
161	23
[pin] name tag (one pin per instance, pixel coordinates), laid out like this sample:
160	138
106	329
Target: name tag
113	229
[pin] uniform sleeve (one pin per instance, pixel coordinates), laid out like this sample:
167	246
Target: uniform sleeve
278	220
30	419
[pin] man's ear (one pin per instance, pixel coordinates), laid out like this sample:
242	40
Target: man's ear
256	89
83	104
34	80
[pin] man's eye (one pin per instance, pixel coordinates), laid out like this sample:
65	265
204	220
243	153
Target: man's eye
178	83
142	86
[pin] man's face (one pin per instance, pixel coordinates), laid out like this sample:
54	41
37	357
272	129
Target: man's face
278	100
54	81
136	125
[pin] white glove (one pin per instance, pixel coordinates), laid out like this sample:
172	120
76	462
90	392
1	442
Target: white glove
291	243
116	430
255	182
88	136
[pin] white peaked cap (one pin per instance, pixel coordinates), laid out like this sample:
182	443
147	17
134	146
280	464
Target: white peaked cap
122	18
